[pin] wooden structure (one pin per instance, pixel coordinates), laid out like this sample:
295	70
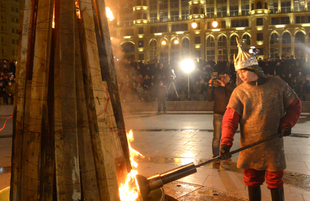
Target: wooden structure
69	139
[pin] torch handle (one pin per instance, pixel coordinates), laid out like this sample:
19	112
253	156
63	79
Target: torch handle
240	149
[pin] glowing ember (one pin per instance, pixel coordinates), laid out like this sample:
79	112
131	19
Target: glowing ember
109	13
129	191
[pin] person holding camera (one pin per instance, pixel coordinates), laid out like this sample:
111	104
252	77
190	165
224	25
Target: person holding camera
219	91
264	107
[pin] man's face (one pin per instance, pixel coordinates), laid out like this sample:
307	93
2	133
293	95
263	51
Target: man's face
247	76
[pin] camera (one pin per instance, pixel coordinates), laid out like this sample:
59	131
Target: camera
215	79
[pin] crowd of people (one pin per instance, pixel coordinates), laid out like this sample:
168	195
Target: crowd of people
139	81
7	81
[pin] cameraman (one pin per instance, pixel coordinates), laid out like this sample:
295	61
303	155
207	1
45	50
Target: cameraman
219	91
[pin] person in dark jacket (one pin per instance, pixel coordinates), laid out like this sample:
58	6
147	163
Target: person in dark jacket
220	95
162	94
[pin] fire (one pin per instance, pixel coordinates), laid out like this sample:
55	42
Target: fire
129	191
109	13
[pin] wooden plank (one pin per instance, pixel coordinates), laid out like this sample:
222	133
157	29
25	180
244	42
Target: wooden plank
87	163
96	99
32	138
66	149
109	75
18	124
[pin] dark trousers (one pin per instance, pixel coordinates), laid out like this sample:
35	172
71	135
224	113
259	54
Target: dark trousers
161	103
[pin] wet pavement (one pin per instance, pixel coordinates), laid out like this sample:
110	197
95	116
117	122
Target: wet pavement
176	138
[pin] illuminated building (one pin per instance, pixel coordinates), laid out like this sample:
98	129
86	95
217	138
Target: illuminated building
9	27
275	27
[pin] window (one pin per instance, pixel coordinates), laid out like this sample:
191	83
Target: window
274	39
140	31
179	27
196	10
153	5
299	44
210	11
280	20
184	3
259	5
141	43
299	38
163	16
197	40
286	38
234	10
273	6
260	36
285	6
158	29
259	22
163	4
222	42
185	14
174	3
174	15
153	17
13	41
222	11
210	42
246	40
233	41
302	19
240	23
299	5
245	7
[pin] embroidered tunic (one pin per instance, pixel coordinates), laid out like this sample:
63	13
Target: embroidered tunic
261	108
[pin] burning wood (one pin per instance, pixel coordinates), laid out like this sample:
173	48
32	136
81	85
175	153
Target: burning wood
129	191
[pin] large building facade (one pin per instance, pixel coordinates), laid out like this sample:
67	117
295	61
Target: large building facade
9	28
161	29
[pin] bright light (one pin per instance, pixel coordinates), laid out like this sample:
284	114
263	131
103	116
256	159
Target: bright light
215	24
194	25
187	65
109	13
176	41
163	42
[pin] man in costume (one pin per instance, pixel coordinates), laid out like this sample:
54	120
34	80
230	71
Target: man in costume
264	106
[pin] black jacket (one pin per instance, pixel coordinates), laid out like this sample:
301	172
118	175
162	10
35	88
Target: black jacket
220	95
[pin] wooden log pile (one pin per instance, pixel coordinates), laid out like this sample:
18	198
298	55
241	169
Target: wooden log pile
69	138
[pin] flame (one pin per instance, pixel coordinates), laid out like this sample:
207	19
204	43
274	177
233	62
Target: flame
129	191
109	13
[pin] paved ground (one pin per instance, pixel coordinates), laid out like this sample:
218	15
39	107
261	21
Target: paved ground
176	138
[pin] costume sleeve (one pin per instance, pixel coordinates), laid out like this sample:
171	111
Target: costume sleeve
229	126
292	115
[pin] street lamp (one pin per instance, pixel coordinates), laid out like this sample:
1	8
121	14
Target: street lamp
187	66
215	23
